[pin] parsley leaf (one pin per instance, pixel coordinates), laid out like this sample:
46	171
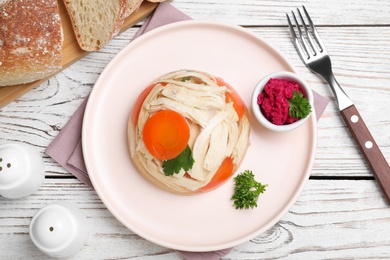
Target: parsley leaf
186	78
183	161
299	105
247	190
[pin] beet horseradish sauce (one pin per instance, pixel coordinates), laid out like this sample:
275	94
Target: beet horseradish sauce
279	98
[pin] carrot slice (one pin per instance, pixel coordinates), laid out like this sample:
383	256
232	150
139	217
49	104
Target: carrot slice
166	134
223	173
140	100
238	104
138	103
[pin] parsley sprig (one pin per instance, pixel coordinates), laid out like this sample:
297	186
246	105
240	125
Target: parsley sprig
299	105
247	190
183	161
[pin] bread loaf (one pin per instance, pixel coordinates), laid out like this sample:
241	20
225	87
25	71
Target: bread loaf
132	6
30	40
95	22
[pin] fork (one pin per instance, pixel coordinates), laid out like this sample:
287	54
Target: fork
314	55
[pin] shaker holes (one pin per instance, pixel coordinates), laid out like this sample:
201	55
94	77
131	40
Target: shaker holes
8	165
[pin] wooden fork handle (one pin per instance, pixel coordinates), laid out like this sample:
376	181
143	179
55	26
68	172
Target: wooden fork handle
369	148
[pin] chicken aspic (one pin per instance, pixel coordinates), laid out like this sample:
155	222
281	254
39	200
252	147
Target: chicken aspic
188	132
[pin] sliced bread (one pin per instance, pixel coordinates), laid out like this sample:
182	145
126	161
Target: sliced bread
132	6
95	22
30	40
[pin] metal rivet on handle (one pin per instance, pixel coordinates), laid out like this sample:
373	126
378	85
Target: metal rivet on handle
368	144
354	118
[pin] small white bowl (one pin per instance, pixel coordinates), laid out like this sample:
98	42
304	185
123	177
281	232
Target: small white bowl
259	88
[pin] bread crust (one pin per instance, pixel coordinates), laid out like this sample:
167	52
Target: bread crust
132	6
121	18
30	40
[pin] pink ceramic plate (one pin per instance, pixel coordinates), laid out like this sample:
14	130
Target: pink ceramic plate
207	221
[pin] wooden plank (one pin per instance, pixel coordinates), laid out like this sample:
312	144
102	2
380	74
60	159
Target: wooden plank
331	219
273	13
71	50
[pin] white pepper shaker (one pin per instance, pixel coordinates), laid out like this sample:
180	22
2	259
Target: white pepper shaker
22	170
59	229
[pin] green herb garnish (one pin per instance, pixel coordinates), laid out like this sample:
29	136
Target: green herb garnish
299	105
183	161
247	190
188	78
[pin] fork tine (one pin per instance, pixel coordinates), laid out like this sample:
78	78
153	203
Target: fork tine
314	31
307	33
301	36
292	31
309	41
297	43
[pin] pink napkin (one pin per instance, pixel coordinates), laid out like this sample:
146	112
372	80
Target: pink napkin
66	147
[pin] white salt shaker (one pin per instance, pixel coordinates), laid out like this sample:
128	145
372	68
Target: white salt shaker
59	229
22	170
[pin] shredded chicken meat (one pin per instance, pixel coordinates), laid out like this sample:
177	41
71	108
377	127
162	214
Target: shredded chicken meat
216	131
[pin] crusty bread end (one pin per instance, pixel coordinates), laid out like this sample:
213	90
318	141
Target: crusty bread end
30	40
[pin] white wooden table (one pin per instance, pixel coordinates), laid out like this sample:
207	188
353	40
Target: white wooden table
341	212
